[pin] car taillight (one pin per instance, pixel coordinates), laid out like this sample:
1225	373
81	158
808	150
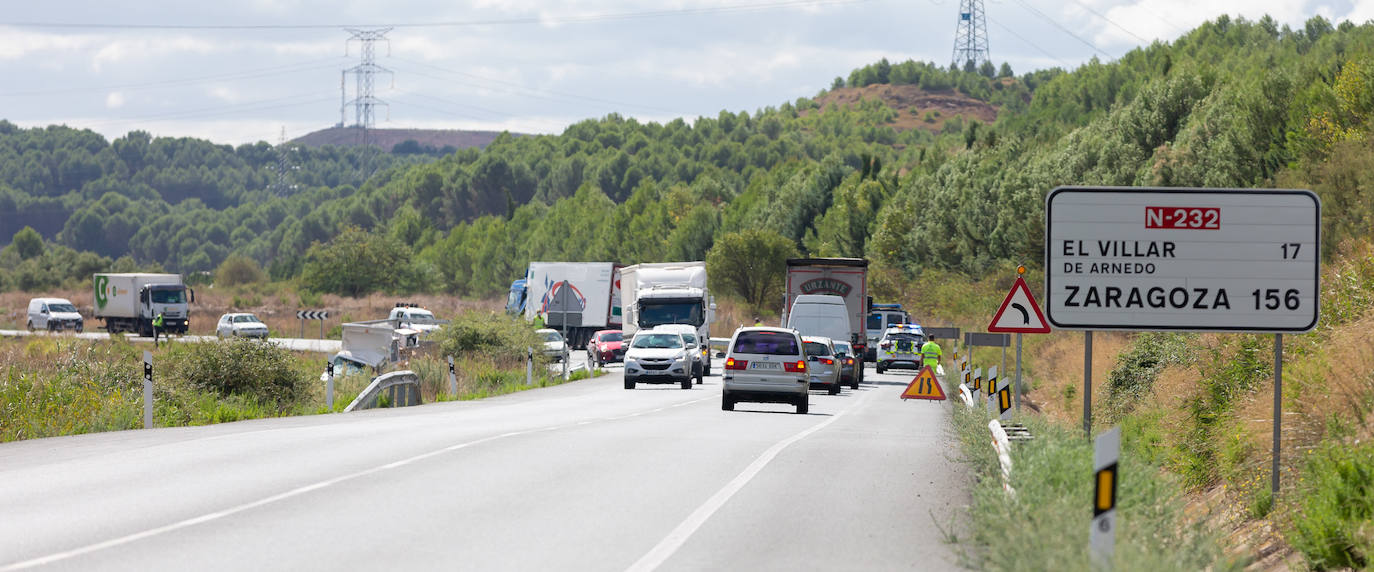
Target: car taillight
733	363
827	361
799	367
849	361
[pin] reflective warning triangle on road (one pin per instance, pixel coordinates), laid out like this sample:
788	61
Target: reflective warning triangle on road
924	386
1019	313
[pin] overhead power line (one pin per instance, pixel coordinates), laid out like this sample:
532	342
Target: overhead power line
1064	28
524	20
1110	21
243	74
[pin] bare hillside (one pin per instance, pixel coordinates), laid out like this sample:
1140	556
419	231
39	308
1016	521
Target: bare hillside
918	109
388	138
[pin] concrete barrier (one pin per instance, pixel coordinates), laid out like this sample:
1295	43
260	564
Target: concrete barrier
403	387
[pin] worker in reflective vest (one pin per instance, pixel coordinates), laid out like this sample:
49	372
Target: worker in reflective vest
931	352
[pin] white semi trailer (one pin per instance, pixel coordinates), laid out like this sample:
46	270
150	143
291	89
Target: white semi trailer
129	302
667	293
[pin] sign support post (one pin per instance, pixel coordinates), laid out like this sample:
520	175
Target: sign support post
1088	384
1278	411
1017	390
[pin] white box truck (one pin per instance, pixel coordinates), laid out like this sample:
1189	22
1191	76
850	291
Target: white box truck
667	293
843	277
129	302
577	298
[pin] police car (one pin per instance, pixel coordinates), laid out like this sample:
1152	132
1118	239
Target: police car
900	347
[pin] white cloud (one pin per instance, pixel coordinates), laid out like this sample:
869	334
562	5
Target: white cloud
131	49
114	100
1361	12
17	43
1168	19
314	49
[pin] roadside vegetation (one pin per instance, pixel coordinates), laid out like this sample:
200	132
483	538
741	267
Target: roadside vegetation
60	385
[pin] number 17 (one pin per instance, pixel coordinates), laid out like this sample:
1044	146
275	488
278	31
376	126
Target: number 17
1290	249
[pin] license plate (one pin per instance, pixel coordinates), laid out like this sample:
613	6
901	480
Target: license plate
764	365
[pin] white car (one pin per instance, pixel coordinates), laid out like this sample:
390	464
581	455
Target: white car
415	318
555	347
822	365
54	314
658	357
240	325
700	355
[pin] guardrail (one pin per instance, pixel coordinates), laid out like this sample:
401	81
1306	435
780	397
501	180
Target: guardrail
402	388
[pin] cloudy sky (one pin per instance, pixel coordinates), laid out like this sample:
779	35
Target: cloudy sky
242	71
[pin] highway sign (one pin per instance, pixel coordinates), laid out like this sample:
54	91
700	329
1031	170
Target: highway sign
1025	316
986	340
924	386
1182	259
312	315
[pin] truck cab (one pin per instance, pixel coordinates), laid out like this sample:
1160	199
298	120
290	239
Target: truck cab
413	317
668	293
515	300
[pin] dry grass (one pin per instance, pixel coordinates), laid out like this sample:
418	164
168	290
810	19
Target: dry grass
275	304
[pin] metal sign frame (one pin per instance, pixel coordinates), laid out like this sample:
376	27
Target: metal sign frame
1051	260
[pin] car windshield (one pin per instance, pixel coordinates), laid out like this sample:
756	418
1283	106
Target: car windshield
245	319
918	338
768	343
420	315
169	296
657	341
613	337
817	349
875	321
658	313
61	308
691	338
843	348
552	337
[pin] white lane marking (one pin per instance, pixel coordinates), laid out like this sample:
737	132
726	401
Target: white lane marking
60	556
670	544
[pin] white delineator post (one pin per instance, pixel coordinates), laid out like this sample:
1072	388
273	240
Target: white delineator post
991	400
452	378
1102	536
329	385
147	389
529	366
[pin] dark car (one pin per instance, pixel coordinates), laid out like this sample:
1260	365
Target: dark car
606	346
845	354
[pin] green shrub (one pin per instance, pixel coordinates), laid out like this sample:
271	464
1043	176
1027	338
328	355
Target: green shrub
499	336
242	367
1134	376
239	269
1334	524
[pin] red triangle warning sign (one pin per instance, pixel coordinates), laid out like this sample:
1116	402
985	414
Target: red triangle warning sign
1025	316
924	386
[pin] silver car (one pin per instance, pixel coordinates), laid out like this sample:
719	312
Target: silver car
555	348
689	335
822	365
766	365
658	357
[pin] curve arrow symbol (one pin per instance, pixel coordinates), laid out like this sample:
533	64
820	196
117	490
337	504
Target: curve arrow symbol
1025	316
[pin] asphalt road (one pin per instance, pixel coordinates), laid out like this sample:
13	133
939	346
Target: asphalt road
583	476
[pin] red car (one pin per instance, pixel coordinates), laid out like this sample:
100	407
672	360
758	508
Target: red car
606	346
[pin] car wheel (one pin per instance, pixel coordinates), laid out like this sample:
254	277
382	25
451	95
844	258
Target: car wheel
853	383
30	325
834	389
687	383
699	379
803	406
629	383
707	373
881	369
727	404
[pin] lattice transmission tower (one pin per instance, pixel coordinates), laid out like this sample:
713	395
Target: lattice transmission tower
971	35
284	167
364	75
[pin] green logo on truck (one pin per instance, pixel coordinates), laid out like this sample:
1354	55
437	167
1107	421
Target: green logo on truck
100	298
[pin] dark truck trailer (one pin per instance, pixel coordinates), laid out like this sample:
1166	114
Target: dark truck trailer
843	277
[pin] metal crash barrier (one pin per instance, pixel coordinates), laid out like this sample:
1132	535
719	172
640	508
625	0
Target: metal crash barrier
402	389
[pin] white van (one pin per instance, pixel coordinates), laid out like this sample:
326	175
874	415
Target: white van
820	315
54	314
